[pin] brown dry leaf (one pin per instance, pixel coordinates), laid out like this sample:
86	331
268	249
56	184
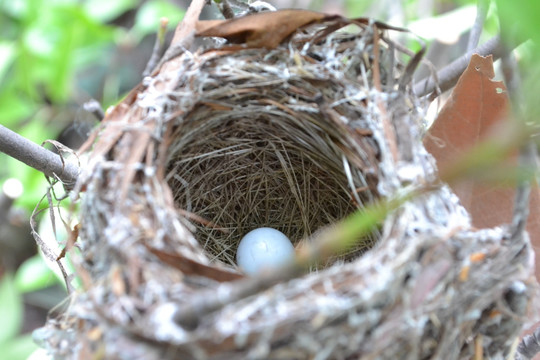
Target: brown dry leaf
476	104
474	110
266	30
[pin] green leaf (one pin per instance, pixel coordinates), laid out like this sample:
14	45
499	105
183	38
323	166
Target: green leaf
50	46
519	19
149	15
92	31
40	42
15	8
19	348
14	107
34	275
446	27
107	10
11	309
7	54
355	8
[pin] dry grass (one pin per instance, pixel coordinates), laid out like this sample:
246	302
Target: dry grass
243	170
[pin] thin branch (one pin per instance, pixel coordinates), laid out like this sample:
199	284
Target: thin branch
527	160
527	155
37	157
184	33
481	13
159	45
449	75
94	107
529	346
187	26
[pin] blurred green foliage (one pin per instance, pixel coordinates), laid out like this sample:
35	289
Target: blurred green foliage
11	309
44	47
45	44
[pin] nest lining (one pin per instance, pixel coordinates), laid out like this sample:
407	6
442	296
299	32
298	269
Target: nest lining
261	169
278	140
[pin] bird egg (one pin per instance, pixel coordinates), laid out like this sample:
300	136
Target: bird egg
263	248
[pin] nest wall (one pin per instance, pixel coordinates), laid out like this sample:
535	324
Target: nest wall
219	142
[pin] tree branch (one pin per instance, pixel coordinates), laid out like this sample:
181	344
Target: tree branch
37	157
482	8
449	75
529	346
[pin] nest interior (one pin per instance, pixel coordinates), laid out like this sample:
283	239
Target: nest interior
259	165
275	141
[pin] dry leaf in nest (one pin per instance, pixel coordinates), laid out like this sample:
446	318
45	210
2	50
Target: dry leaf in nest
265	30
269	29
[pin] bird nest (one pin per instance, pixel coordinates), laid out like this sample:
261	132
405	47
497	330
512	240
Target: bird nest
297	138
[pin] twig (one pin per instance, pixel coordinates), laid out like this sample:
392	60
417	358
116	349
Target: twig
158	47
187	26
527	160
481	13
226	9
37	157
527	155
529	346
449	75
94	107
183	35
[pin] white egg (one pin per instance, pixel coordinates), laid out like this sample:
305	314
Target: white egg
263	248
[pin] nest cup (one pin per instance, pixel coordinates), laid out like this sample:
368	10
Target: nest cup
277	142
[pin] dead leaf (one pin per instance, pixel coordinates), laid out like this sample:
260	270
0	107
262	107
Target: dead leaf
477	107
476	104
261	30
